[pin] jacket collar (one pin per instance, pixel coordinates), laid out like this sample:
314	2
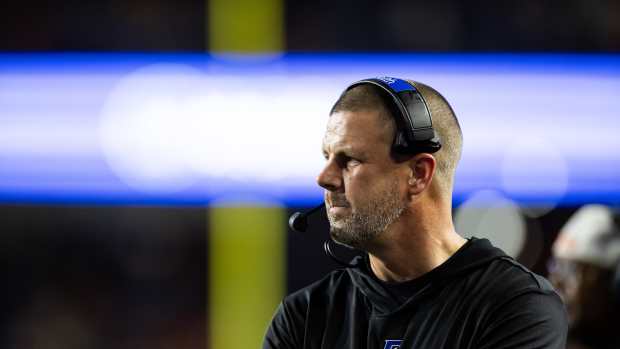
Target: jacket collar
474	254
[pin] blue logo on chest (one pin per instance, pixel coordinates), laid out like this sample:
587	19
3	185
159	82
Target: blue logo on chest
392	343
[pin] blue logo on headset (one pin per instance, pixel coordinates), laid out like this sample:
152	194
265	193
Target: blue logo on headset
387	79
398	85
392	343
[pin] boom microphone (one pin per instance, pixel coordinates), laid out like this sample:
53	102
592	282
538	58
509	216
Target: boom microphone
299	220
299	223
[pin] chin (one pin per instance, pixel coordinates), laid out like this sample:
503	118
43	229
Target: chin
338	235
346	239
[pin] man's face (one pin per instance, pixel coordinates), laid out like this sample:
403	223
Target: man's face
364	188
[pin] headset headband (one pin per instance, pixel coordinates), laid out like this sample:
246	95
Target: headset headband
410	110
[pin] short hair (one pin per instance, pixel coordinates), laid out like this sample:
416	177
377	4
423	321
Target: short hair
445	123
365	98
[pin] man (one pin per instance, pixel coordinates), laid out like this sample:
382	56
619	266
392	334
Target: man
585	270
388	181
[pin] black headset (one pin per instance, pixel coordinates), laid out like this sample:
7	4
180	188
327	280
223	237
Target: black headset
414	135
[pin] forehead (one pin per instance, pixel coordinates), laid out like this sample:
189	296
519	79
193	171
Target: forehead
365	127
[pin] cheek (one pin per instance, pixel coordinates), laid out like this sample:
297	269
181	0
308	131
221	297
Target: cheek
358	184
352	186
364	185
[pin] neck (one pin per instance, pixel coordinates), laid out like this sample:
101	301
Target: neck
414	245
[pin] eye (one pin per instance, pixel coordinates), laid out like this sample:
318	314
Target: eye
348	162
353	162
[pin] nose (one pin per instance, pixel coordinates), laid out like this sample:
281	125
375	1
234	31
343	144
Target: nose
330	177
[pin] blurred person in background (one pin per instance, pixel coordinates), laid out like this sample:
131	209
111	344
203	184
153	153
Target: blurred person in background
585	271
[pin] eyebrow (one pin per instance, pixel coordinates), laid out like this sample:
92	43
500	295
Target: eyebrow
347	151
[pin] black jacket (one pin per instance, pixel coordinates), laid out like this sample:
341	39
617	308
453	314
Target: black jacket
479	298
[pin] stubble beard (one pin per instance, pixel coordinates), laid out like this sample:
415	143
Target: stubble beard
367	221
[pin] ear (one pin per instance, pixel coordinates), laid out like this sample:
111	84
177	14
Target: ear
422	169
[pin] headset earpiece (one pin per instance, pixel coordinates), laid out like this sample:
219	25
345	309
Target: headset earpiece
415	132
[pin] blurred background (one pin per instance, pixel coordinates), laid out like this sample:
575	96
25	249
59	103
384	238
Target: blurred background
151	152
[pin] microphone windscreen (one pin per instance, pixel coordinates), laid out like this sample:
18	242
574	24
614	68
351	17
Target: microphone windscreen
298	222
